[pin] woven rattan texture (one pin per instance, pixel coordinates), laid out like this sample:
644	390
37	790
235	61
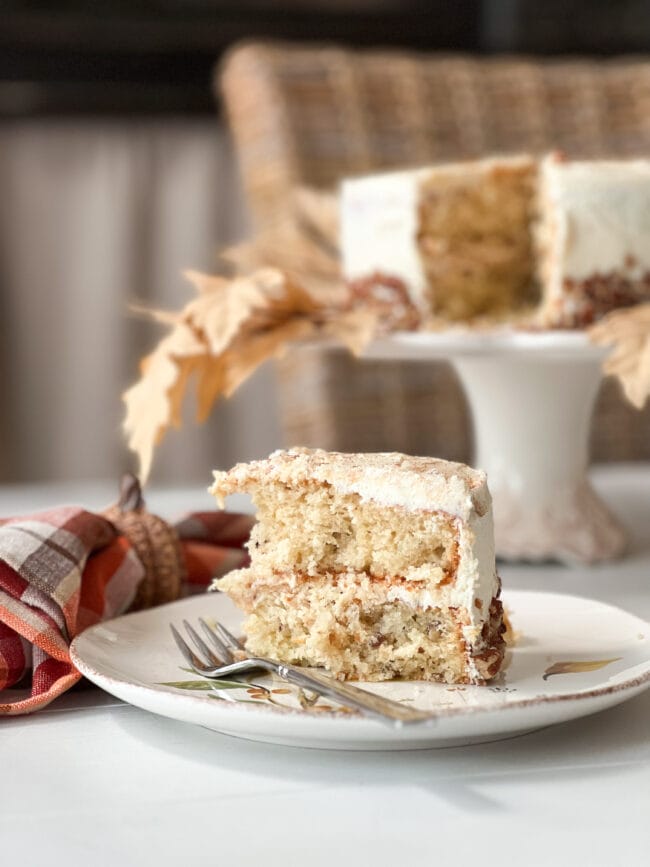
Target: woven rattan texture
309	116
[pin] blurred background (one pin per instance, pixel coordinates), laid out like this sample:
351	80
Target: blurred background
118	170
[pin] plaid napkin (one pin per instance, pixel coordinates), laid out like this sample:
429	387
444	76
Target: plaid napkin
66	569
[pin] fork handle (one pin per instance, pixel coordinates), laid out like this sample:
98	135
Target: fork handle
383	709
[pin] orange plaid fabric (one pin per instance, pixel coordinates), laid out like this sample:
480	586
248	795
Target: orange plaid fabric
66	569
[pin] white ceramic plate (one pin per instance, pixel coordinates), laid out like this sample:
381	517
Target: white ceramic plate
571	657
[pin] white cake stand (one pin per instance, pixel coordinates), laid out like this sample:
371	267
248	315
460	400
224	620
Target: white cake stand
531	397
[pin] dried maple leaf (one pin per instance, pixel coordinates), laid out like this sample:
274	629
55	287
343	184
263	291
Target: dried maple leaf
354	328
628	331
219	339
243	360
317	211
212	377
153	403
244	305
302	242
233	325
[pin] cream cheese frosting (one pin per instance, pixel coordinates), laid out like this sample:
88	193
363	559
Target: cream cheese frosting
601	213
379	226
387	478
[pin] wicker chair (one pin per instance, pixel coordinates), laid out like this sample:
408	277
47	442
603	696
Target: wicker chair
309	116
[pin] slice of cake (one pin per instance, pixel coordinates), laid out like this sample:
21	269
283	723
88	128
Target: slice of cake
457	235
373	566
593	238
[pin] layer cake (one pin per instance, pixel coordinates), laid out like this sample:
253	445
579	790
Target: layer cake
373	566
555	242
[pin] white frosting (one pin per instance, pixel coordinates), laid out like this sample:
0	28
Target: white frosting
598	214
387	478
475	579
379	226
448	495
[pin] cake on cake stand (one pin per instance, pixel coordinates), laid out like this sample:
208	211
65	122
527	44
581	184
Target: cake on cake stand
531	396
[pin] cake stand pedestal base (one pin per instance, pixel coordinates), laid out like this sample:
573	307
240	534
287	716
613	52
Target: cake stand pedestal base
531	424
531	398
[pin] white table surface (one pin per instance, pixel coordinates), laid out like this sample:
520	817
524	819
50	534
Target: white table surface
91	780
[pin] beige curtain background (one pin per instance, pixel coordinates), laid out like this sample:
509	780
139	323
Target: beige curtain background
93	215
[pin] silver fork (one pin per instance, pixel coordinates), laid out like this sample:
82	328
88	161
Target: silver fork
227	657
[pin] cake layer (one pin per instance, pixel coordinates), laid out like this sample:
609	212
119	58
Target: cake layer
474	238
362	628
315	528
